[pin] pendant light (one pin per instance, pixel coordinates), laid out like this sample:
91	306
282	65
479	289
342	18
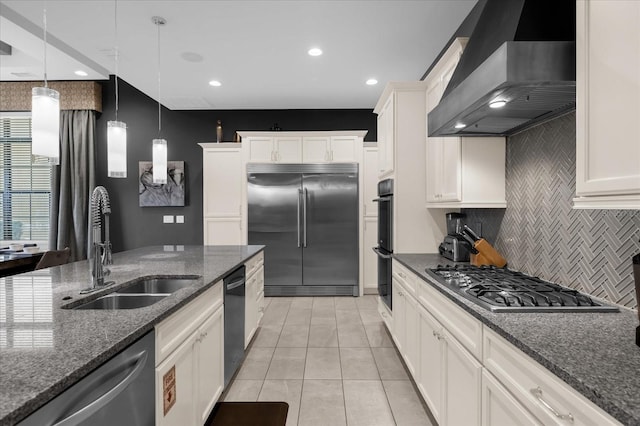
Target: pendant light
45	115
159	145
116	130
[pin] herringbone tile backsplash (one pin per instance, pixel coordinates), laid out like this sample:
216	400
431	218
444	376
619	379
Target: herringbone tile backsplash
540	234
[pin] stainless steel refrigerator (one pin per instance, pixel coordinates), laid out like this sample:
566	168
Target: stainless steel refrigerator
307	217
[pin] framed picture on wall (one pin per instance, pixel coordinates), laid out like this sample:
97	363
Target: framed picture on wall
170	194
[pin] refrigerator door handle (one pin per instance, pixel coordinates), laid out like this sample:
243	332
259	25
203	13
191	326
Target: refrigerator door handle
298	216
304	216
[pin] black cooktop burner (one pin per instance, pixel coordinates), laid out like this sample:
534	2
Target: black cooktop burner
504	290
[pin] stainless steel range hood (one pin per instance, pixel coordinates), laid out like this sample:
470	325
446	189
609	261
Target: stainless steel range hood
521	52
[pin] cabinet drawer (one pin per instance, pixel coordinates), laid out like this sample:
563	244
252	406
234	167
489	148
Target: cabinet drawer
385	313
171	332
253	264
408	278
538	390
460	324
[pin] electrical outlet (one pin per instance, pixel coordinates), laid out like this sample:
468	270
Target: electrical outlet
167	219
179	218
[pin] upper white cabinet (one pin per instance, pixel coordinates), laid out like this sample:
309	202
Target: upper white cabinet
335	149
386	136
608	104
461	172
223	192
303	147
278	149
369	211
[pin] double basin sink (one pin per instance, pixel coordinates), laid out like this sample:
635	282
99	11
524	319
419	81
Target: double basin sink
139	293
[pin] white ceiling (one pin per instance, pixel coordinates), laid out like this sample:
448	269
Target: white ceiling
257	49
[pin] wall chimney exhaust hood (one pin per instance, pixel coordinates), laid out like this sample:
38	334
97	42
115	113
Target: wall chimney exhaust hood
518	68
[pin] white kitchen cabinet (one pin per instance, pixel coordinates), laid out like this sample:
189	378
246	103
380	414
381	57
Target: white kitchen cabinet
370	260
190	360
254	296
274	149
461	172
180	408
499	407
430	380
331	149
537	389
223	231
398	310
370	181
210	379
223	193
386	136
608	104
462	382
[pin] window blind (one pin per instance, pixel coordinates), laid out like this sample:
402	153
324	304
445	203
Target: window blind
25	186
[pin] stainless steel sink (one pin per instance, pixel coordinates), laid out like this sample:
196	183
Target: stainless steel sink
157	285
123	301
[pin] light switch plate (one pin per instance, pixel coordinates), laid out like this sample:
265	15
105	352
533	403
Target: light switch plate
167	219
179	218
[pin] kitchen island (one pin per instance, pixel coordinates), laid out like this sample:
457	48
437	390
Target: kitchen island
592	352
45	347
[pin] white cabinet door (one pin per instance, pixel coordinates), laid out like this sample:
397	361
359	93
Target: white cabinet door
608	104
386	128
412	335
463	377
344	149
288	149
177	370
430	380
210	364
399	314
451	165
250	309
223	231
222	177
261	149
499	407
370	181
316	149
369	256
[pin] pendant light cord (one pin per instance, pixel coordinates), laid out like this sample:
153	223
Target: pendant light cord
115	25
44	21
159	108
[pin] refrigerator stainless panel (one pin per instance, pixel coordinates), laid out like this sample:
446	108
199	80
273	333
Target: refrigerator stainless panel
273	219
330	229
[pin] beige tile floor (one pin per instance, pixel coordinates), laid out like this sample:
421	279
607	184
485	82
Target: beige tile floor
332	360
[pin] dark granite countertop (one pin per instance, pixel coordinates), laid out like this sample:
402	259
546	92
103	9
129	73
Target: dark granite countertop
44	349
595	353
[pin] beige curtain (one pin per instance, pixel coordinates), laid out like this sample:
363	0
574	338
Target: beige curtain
72	183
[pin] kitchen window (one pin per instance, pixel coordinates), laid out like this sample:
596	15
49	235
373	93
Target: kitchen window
25	187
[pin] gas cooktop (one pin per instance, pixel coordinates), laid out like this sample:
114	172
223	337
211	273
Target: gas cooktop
504	290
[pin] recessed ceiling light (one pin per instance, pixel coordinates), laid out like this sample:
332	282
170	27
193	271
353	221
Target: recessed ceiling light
460	126
372	82
81	73
315	52
497	103
215	83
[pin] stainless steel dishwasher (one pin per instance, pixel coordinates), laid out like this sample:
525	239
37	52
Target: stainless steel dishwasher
234	294
119	392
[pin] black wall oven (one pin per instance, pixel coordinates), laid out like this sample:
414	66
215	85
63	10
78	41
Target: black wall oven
384	250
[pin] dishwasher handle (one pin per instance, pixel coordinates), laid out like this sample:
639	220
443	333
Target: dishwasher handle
235	284
88	410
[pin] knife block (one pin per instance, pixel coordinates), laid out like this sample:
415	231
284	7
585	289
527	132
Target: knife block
486	255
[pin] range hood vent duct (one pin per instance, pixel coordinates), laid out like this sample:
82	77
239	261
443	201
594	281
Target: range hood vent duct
520	51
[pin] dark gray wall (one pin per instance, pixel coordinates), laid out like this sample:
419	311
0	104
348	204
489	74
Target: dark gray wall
133	226
539	232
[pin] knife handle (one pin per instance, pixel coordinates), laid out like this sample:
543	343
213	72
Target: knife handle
471	233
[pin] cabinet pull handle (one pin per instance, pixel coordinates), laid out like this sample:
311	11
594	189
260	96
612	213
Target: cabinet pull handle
331	155
537	393
403	276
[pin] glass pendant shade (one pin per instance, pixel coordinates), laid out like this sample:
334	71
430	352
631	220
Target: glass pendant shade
45	124
116	149
160	161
